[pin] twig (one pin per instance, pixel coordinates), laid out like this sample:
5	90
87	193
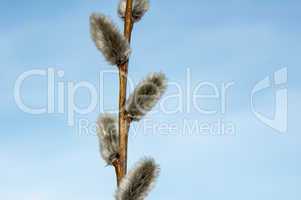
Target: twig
117	167
124	122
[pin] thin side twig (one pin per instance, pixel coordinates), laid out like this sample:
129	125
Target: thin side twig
117	167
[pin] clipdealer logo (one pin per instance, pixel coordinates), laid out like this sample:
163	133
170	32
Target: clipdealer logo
279	83
61	98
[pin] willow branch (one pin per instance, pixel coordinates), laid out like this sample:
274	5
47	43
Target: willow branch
124	122
117	167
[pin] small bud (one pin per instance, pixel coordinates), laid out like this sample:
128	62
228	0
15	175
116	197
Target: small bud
108	138
139	181
109	40
140	7
146	95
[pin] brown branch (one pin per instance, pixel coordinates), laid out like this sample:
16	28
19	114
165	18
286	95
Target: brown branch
117	167
124	122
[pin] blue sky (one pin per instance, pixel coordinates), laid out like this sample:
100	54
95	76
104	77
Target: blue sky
219	41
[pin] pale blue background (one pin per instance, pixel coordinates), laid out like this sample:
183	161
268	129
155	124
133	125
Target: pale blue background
236	40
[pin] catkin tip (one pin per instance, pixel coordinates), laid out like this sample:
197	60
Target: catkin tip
146	95
109	40
107	132
140	7
139	181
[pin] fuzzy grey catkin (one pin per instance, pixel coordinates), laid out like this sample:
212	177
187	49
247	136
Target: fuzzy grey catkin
109	40
140	7
107	132
139	181
146	95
